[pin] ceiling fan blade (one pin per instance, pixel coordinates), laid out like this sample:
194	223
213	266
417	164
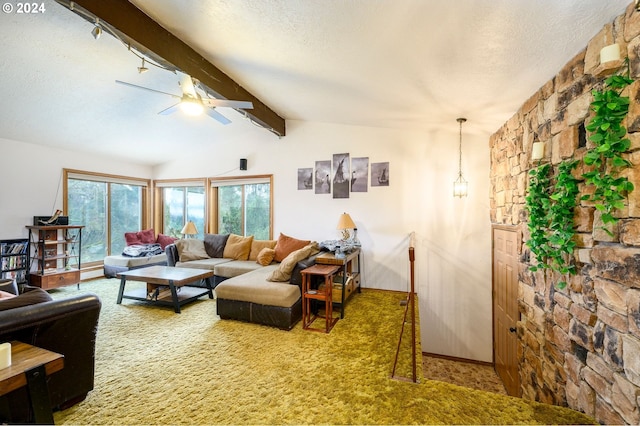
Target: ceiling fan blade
170	110
227	103
146	88
217	116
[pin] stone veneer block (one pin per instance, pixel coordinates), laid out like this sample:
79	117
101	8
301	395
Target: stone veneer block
624	399
613	319
599	234
611	295
597	383
616	263
630	232
633	302
631	23
633	174
583	255
587	399
606	413
578	110
630	358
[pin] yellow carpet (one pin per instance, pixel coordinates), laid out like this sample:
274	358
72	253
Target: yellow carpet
157	367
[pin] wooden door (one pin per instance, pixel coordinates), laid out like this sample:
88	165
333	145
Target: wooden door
505	307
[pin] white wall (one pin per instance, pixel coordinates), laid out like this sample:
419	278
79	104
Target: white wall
453	249
31	183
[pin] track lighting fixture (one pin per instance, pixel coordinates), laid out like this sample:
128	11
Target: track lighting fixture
142	69
96	32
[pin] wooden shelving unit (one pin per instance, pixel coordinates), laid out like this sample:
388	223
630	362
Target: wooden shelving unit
55	253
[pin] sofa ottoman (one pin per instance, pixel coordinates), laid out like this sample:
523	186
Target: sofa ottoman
116	264
251	297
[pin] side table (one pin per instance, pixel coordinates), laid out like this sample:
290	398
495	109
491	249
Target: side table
308	294
30	367
350	265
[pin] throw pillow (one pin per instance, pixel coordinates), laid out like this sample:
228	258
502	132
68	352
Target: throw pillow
237	247
286	245
191	249
265	257
258	245
148	236
283	272
165	240
214	244
32	297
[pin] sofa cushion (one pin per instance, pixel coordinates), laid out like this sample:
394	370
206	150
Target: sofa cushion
146	236
286	245
35	295
253	287
134	262
209	263
191	249
214	244
233	268
165	240
238	247
265	257
258	245
283	272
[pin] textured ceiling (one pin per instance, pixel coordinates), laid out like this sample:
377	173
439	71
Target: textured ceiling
391	63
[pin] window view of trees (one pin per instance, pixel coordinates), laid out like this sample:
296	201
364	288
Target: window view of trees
180	205
245	210
109	206
99	206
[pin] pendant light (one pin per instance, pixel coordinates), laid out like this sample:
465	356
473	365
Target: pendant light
460	185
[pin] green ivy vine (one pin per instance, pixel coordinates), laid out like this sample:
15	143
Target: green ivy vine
550	209
537	205
610	142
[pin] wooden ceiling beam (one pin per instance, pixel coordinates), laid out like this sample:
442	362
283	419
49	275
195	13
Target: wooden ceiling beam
141	29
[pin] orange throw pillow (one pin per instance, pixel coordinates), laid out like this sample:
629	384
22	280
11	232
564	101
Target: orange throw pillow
286	245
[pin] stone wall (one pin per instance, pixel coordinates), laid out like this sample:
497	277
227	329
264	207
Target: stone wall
579	346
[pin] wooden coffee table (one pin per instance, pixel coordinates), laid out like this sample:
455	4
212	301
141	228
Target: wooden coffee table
169	276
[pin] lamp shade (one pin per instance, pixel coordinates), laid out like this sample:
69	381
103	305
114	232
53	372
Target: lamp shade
189	229
345	222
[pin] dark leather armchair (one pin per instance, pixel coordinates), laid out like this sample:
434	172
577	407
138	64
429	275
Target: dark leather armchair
67	326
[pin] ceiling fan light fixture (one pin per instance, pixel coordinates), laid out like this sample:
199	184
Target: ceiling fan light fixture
191	106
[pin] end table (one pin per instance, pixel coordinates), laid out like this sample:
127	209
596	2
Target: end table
30	367
326	272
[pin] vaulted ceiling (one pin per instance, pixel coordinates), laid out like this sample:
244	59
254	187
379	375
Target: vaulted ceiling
415	64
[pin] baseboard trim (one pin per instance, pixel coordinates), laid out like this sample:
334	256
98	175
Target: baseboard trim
453	358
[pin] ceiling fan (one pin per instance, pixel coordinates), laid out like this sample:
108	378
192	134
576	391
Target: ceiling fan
192	103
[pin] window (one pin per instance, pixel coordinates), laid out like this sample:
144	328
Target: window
107	206
243	206
180	202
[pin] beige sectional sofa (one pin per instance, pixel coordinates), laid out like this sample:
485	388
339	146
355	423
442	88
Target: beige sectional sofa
255	280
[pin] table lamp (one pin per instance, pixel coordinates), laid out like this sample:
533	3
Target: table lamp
189	230
344	224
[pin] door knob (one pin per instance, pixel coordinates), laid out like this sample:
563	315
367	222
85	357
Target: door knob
512	329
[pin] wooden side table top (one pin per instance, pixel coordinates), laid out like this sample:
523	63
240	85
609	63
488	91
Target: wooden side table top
24	357
163	274
318	269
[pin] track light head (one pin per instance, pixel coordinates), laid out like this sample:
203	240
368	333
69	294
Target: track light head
96	32
142	69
